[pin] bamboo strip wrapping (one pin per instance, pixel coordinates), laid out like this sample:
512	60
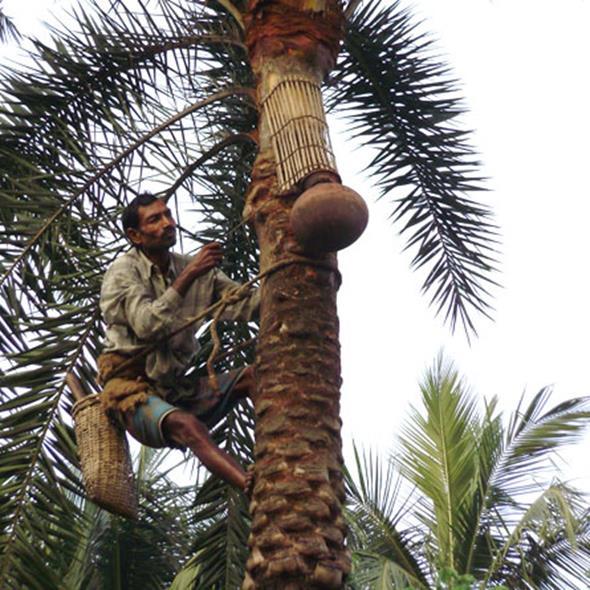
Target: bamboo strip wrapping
294	113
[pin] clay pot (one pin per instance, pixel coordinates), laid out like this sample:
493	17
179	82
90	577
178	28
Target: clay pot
328	217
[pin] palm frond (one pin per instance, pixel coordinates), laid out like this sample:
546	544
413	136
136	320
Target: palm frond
185	578
534	434
401	101
8	29
39	472
439	456
383	551
142	554
473	550
549	515
559	563
99	112
373	571
465	514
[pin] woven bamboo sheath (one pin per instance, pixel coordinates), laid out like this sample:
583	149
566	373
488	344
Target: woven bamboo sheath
104	458
294	112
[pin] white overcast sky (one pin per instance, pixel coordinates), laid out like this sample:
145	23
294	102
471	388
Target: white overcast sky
524	69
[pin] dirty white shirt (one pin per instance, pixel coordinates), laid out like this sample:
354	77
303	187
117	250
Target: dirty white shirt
140	306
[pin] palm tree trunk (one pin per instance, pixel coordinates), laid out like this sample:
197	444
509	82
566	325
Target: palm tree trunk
297	539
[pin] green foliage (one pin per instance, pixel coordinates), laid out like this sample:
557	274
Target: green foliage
144	554
86	547
401	101
113	107
449	579
157	95
7	27
454	507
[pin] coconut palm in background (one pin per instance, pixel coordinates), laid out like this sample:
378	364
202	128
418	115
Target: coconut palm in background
112	552
162	95
485	505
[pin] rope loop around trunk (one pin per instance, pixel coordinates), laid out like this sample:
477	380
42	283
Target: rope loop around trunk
234	295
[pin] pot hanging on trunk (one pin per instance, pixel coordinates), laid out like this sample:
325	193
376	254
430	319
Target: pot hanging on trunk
327	216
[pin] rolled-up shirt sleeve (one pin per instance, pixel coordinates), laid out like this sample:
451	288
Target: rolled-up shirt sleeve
125	300
246	309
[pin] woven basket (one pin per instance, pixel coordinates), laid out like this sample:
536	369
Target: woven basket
105	459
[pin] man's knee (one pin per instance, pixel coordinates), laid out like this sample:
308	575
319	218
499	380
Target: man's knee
184	429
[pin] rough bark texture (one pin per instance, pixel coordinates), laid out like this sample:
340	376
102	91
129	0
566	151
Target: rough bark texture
297	539
305	31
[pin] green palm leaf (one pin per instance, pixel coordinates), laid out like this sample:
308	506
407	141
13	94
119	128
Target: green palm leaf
548	515
439	456
553	561
535	432
402	103
467	506
78	131
7	28
116	553
372	571
385	555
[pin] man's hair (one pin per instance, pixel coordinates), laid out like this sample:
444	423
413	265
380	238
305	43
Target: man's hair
130	217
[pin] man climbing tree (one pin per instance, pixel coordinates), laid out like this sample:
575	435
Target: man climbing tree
193	92
147	293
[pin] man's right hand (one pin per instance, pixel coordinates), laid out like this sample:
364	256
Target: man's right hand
208	257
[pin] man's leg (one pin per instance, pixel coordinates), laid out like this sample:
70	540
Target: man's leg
185	430
158	424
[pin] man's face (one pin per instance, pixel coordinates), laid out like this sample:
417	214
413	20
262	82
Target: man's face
156	230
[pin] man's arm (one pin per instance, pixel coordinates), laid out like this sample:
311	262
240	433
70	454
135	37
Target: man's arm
208	257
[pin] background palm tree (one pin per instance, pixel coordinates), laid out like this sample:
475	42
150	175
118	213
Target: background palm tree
88	547
161	96
113	552
484	499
